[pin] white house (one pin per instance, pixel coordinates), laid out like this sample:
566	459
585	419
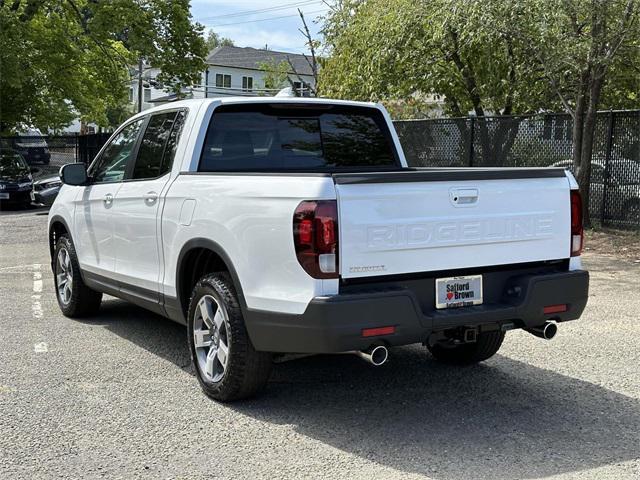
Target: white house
235	71
231	71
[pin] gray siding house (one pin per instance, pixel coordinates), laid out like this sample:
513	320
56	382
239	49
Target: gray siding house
236	71
231	71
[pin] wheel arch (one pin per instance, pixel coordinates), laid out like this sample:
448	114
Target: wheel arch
57	227
198	257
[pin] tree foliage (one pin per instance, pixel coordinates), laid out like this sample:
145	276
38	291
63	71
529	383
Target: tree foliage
64	58
214	40
490	57
589	56
276	74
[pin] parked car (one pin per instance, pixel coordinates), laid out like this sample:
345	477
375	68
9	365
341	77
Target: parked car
16	182
293	225
31	144
622	189
46	190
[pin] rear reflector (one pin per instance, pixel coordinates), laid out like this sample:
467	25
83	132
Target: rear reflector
577	232
554	309
375	332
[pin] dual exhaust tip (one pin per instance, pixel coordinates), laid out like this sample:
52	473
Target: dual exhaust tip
379	354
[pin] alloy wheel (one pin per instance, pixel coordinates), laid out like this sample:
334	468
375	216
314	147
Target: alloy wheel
210	338
64	276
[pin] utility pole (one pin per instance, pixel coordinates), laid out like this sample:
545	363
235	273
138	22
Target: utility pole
140	85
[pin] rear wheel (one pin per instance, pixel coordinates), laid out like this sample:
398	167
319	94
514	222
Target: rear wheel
227	366
74	297
486	346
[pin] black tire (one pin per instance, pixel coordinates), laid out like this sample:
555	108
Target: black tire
247	371
486	346
82	301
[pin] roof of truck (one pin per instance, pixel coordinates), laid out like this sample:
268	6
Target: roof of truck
195	103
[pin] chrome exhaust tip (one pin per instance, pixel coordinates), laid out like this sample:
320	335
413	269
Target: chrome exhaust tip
375	355
546	331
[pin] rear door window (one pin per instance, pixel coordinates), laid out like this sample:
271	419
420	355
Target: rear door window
297	137
157	148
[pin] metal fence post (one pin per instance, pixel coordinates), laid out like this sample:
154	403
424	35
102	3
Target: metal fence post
471	139
607	174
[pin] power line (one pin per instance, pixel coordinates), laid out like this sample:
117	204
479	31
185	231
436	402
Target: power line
261	19
262	10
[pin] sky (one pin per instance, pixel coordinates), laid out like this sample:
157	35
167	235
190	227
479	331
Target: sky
256	23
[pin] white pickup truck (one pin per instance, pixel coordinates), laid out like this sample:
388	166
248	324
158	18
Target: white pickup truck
284	225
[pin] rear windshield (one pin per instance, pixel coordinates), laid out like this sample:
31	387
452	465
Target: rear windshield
303	137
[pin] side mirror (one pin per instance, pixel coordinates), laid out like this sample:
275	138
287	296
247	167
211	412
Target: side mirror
74	174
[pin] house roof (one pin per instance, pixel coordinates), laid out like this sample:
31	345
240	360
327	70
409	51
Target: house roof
251	58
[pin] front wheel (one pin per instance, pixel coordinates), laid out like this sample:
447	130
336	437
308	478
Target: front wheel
486	346
227	366
74	297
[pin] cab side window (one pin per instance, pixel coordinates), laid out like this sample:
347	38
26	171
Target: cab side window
157	148
111	166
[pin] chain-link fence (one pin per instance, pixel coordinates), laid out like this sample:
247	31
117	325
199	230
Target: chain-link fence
538	141
516	141
47	153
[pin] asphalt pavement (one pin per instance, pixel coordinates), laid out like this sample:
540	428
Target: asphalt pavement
114	396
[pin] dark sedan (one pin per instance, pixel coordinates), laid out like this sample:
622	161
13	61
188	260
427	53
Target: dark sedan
46	190
16	182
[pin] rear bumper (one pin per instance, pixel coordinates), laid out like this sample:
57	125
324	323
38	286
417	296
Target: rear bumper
335	324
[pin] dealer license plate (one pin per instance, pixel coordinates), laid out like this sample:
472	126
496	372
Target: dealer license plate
4	196
458	291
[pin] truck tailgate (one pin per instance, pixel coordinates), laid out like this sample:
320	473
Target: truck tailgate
445	219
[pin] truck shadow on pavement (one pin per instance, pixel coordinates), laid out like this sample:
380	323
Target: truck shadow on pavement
501	419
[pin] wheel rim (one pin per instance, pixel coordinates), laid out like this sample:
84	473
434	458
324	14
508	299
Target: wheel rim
210	338
64	276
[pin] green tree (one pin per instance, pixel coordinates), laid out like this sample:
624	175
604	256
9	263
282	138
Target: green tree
489	57
276	74
214	40
589	55
385	50
64	58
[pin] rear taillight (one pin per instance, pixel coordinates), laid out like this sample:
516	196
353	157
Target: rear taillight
577	231
315	236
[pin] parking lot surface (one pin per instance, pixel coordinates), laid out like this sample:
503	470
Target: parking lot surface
114	396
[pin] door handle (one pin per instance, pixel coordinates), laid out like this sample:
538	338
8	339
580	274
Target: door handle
461	197
150	198
108	200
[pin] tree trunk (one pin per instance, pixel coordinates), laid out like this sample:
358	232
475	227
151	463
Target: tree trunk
578	131
586	147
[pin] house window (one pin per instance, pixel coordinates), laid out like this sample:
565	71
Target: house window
301	89
147	94
131	96
223	81
247	84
